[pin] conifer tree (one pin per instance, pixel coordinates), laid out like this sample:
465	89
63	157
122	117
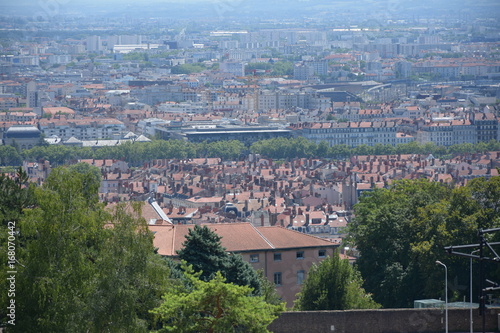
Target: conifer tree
204	251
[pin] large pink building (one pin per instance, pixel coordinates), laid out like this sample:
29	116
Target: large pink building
285	256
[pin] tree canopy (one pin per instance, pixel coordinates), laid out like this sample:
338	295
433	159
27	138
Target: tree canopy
214	306
81	267
333	284
401	231
16	194
138	153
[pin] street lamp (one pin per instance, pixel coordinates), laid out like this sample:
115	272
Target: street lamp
471	320
445	292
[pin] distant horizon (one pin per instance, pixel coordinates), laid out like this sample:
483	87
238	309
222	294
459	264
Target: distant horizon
274	8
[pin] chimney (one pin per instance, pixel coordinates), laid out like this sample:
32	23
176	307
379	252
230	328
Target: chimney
307	219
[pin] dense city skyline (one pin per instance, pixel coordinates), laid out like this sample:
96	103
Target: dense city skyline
293	131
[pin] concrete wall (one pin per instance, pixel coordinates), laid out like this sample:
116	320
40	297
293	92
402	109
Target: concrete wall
384	321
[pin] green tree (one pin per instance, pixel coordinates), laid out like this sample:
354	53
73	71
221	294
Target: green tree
203	250
322	149
82	268
214	306
384	233
16	194
268	290
249	68
333	284
363	150
340	151
281	68
9	156
187	69
132	278
227	150
401	231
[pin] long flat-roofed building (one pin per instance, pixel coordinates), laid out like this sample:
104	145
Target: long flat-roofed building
26	137
246	134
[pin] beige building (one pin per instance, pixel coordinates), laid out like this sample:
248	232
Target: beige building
285	256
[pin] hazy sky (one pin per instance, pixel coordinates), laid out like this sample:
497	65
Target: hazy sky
267	7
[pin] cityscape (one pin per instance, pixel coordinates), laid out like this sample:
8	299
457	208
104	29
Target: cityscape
284	133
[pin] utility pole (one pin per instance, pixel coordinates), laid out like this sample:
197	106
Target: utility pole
492	256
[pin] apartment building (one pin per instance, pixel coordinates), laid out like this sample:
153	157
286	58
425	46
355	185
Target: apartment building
83	129
287	99
155	94
8	103
439	133
353	133
486	125
285	256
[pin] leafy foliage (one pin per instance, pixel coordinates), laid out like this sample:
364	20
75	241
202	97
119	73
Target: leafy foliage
268	290
15	195
188	69
9	156
82	268
401	231
138	153
300	147
214	306
333	284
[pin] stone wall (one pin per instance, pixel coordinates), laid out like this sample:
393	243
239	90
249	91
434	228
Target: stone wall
384	321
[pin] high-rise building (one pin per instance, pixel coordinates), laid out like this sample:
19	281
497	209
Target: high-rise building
32	95
94	44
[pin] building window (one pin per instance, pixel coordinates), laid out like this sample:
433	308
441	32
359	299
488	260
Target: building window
300	255
277	257
277	278
300	277
321	253
254	258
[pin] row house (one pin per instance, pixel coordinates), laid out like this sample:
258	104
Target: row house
12	87
17	117
8	103
356	114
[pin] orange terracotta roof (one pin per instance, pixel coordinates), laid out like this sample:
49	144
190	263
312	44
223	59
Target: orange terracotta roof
282	238
236	237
